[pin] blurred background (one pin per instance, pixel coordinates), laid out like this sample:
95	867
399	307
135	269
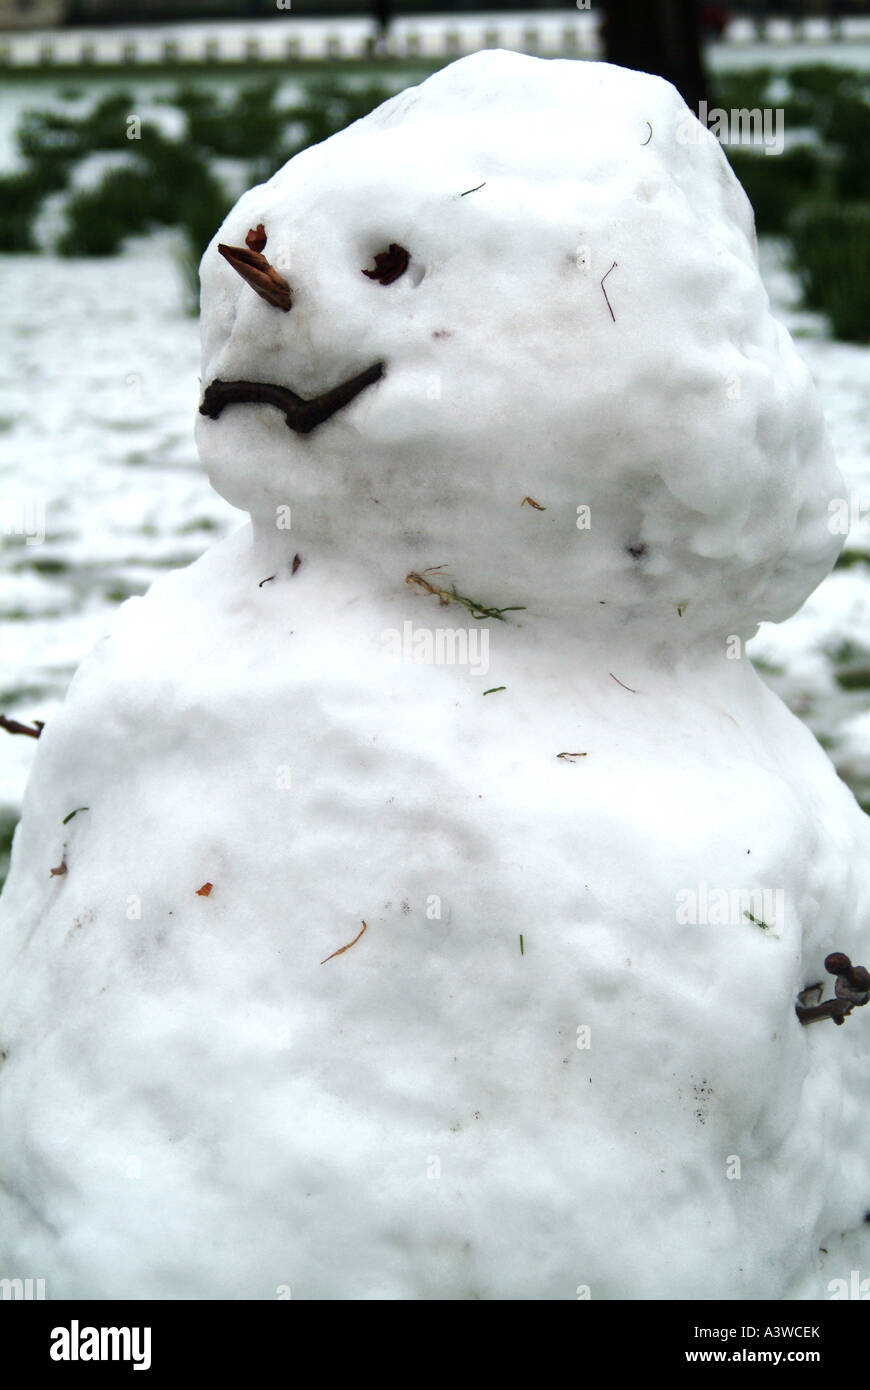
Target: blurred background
129	127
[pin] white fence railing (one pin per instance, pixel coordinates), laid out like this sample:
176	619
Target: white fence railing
550	35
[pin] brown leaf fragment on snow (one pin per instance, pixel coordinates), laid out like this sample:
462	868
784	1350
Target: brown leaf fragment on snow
204	891
341	950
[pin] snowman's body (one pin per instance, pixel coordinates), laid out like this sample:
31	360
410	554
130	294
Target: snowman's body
562	1055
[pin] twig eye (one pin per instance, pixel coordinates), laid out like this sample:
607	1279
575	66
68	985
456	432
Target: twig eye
389	264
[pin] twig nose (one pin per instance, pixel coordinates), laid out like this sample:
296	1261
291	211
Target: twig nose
259	274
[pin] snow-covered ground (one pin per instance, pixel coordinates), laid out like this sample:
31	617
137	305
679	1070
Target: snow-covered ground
830	636
98	390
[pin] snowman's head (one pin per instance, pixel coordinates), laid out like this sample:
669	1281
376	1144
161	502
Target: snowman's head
523	282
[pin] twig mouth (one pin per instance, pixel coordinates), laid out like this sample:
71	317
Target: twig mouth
301	415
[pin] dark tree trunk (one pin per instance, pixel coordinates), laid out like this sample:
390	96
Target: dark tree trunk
659	36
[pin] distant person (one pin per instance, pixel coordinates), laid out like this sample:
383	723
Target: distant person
383	14
836	14
382	11
714	21
758	13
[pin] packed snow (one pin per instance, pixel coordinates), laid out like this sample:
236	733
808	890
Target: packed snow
341	962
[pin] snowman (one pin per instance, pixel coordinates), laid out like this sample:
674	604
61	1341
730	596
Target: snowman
413	896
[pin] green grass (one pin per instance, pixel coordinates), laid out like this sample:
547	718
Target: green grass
847	558
831	245
163	181
119	593
816	194
776	184
8	822
190	528
847	651
853	678
17	694
847	129
41	564
21	196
